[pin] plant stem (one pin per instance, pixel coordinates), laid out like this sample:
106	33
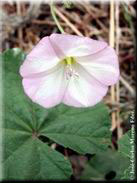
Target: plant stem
55	17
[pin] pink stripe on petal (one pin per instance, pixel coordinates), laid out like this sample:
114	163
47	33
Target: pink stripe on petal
84	91
47	91
72	45
103	66
40	59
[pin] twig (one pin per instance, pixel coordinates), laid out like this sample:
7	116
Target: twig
119	129
19	13
68	22
55	18
111	41
129	88
89	10
48	22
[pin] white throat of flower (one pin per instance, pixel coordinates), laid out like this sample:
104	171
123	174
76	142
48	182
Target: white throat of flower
69	67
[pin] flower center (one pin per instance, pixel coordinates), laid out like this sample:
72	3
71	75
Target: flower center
69	60
69	69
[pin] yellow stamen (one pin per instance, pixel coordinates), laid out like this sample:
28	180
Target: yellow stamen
69	60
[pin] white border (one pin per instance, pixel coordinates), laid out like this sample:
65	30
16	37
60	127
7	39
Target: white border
48	1
35	1
1	119
1	102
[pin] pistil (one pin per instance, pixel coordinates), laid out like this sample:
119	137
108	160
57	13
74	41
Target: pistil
69	69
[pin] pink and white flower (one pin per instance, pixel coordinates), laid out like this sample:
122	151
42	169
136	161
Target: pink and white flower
69	69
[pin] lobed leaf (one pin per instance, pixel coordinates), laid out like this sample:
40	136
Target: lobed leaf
85	130
24	155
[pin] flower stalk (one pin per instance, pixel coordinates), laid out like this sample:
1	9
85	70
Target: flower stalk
52	8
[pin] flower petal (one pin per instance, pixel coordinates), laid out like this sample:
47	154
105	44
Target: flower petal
72	45
48	90
84	91
103	66
40	59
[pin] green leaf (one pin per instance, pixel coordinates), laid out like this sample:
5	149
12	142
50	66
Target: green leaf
117	161
127	149
83	130
34	160
125	144
24	155
99	167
